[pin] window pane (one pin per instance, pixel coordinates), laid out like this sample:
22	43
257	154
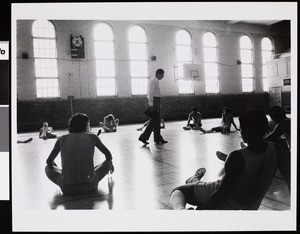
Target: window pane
246	56
139	86
247	70
43	28
266	56
209	39
265	71
137	34
211	70
186	86
103	32
45	67
245	42
210	54
104	50
106	87
139	68
212	85
47	88
105	68
138	51
247	85
183	38
45	48
266	44
184	53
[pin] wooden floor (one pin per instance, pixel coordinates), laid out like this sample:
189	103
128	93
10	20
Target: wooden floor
143	177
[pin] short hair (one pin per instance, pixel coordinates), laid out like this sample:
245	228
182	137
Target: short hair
254	122
226	109
276	112
78	123
194	108
159	71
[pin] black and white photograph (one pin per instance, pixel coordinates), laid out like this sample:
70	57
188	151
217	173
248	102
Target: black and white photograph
154	116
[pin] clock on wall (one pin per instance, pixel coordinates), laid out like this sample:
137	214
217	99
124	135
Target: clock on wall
77	46
77	41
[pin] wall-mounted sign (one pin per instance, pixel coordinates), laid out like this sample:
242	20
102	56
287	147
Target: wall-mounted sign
287	82
77	47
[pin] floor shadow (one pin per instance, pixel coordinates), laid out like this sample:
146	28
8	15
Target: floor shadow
87	201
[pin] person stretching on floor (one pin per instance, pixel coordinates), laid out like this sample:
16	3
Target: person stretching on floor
248	173
195	117
109	124
46	132
78	174
227	120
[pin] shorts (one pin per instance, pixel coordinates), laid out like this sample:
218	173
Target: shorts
198	194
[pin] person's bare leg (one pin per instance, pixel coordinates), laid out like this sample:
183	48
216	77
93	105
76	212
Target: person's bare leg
178	200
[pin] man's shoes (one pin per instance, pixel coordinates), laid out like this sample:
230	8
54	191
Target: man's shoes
99	132
186	128
161	142
221	155
144	141
198	174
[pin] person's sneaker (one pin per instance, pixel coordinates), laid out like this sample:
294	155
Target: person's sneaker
198	174
221	155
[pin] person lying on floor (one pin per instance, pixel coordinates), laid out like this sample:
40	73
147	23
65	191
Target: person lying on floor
78	174
248	173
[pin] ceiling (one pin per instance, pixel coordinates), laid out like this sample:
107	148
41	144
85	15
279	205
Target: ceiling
262	22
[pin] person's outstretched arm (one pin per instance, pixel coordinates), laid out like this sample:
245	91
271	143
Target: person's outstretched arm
50	160
276	133
234	165
234	125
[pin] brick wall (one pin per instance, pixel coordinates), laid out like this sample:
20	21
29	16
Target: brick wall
31	114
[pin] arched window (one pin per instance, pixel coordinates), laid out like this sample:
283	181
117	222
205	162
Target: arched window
184	55
45	59
211	70
105	60
138	54
246	49
267	50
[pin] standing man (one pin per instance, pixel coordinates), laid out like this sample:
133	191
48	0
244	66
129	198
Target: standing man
154	103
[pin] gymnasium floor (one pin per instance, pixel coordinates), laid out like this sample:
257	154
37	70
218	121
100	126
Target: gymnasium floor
143	177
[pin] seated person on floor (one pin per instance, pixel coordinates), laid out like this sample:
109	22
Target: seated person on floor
78	174
227	120
109	124
248	173
195	117
46	132
162	125
280	134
